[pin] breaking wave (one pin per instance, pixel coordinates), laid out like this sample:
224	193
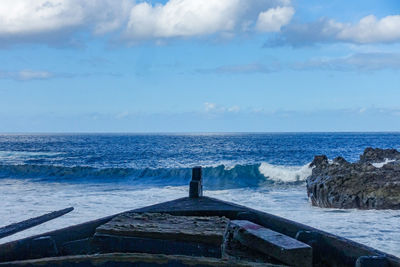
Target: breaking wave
285	174
251	175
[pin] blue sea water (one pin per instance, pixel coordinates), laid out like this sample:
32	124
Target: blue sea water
102	174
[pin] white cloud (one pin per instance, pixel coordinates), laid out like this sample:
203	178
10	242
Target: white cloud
25	75
31	75
28	75
362	62
122	115
209	106
187	18
273	19
24	18
234	109
371	30
368	30
47	21
242	68
358	62
217	109
182	18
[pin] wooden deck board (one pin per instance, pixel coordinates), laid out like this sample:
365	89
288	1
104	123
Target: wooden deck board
191	206
281	247
133	259
166	226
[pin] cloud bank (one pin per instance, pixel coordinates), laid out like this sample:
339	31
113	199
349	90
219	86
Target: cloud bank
273	19
368	30
29	75
48	20
188	18
64	21
328	120
242	69
42	20
360	62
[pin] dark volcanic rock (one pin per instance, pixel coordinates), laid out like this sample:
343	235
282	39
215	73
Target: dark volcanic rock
321	161
371	183
374	155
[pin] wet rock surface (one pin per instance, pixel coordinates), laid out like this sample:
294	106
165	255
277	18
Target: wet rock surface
373	182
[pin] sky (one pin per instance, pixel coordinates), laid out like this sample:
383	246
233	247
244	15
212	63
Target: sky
199	66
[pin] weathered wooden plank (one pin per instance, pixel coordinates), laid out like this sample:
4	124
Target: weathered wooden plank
18	227
134	259
165	226
77	247
233	249
274	244
103	243
202	206
43	247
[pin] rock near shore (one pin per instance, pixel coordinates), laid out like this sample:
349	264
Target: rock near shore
373	182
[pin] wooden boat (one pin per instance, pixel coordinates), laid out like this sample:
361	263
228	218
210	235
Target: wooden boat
191	231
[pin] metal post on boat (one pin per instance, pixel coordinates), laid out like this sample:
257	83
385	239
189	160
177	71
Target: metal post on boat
196	185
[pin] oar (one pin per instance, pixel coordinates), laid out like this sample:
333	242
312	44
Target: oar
18	227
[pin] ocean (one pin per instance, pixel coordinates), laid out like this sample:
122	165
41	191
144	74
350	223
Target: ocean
102	174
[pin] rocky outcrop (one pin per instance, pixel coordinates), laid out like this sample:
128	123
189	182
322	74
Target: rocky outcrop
373	182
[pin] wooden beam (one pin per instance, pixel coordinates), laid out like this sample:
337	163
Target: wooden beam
196	185
276	245
133	259
18	227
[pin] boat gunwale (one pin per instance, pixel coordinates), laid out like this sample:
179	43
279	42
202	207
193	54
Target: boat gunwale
342	251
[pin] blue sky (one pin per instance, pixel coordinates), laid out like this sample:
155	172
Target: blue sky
199	66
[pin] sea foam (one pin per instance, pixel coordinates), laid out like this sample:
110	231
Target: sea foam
286	174
381	164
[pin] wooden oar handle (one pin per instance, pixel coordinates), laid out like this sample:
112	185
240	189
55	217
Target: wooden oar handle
18	227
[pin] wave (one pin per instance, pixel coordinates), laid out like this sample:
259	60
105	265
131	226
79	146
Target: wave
285	174
17	157
237	176
26	154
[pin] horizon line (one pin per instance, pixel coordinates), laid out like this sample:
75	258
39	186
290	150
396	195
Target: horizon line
197	133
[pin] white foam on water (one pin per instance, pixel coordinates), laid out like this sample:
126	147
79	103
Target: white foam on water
23	199
381	164
228	167
17	157
285	174
24	154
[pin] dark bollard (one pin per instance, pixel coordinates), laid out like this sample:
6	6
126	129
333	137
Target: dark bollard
196	185
196	174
